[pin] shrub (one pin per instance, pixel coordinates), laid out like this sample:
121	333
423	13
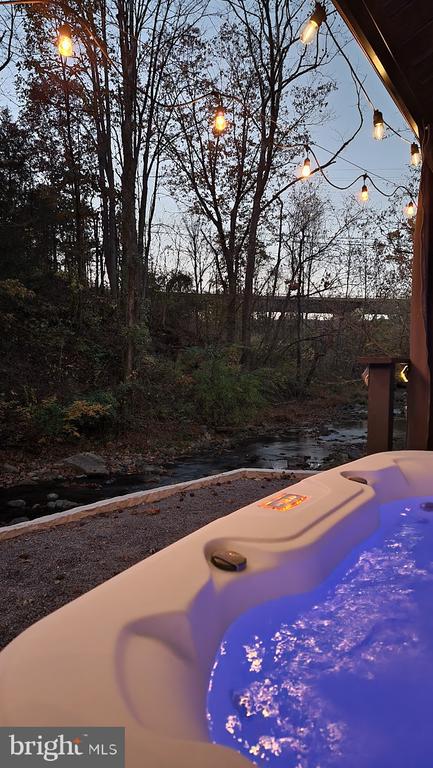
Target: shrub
14	289
80	417
224	394
161	393
84	416
47	417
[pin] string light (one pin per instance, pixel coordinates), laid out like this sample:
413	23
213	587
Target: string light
65	45
220	121
311	27
363	195
308	34
415	154
378	125
379	129
364	190
306	168
410	209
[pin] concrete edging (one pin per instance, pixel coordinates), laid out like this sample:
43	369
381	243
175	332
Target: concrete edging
142	497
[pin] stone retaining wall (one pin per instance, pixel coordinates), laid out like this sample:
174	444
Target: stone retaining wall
143	497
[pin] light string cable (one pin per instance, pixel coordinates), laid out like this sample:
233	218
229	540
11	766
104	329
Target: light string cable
214	93
391	194
220	97
328	181
364	175
359	81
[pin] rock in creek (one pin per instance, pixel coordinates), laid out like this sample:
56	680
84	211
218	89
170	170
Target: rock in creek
17	503
89	463
61	505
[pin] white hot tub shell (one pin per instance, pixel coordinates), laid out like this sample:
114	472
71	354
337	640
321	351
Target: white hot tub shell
138	650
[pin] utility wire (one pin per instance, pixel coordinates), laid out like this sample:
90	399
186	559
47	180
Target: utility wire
355	165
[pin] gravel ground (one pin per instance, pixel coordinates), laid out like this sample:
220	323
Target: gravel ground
41	571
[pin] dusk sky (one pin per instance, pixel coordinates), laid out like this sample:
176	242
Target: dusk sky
389	158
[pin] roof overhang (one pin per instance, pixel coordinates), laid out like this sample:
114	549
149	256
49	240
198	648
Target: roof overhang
397	37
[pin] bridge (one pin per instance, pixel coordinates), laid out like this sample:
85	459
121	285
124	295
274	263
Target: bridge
330	305
314	305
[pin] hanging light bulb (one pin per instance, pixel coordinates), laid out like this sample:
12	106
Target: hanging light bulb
65	44
378	125
364	191
219	121
306	168
311	27
410	209
415	154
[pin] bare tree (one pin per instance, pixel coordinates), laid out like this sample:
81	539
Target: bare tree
307	265
7	28
274	93
148	31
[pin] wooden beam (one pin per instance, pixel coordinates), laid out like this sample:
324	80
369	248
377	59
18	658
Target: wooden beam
366	32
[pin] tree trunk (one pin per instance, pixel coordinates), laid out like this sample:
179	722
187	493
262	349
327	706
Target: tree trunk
102	119
250	270
128	178
75	185
231	311
129	241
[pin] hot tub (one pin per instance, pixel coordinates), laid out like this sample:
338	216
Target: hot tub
139	650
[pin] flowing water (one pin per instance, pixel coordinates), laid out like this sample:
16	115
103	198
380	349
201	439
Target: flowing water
343	675
295	448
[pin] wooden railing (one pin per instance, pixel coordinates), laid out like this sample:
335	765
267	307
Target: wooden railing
381	385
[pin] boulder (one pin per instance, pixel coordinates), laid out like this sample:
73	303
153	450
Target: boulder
22	519
52	496
47	474
61	505
17	503
87	463
64	504
9	468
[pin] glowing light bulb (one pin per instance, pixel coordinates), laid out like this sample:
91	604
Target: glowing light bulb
309	32
379	132
306	168
415	154
220	121
378	125
410	209
65	45
364	191
311	27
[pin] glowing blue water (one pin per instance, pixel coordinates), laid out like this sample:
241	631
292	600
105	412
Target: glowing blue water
341	676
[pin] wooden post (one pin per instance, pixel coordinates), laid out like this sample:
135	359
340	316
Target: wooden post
420	388
381	381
